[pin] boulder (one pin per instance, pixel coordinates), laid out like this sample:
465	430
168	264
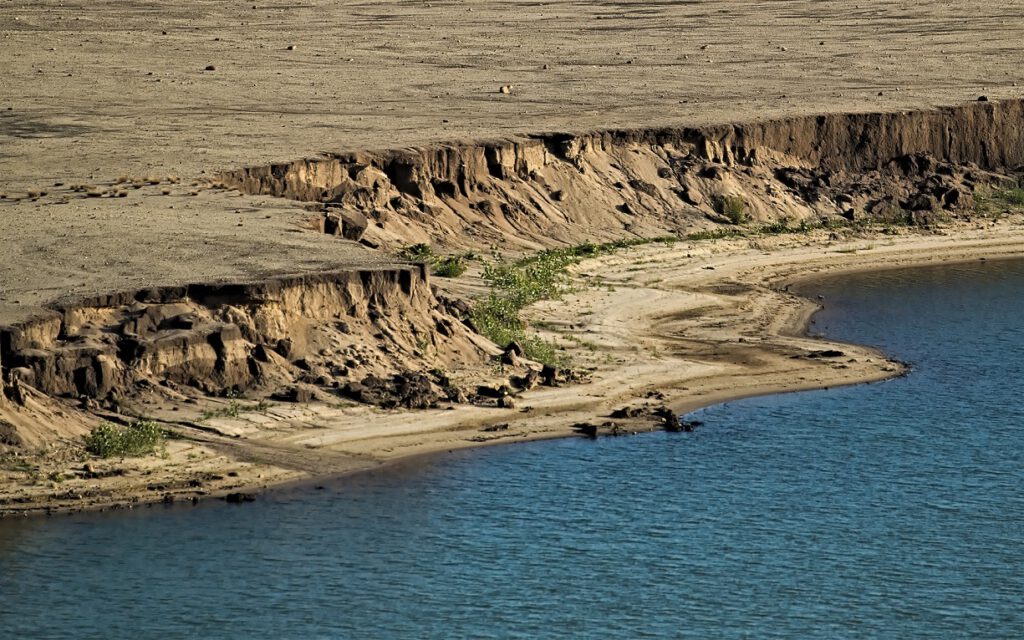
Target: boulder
346	223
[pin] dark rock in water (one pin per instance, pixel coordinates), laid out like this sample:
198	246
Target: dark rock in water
678	425
239	498
689	425
669	419
585	428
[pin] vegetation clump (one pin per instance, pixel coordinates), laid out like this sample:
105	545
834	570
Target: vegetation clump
420	252
996	201
732	207
136	439
541	276
451	266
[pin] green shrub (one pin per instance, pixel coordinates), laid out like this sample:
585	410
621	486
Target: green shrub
450	267
994	201
137	439
776	228
542	276
417	253
732	207
444	266
1014	197
715	234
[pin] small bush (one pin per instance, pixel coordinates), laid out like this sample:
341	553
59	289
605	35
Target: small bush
450	267
777	228
992	201
1014	197
137	439
715	234
732	207
416	253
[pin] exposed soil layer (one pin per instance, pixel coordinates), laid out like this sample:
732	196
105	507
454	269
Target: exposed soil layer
537	190
293	339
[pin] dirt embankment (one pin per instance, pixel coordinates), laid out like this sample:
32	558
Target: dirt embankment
384	336
536	191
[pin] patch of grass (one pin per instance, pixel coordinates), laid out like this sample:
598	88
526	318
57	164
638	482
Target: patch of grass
12	462
991	201
778	227
417	253
723	233
732	207
233	409
542	276
1014	197
450	267
137	439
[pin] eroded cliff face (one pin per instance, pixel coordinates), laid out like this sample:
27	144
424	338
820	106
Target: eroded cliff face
286	336
546	189
349	332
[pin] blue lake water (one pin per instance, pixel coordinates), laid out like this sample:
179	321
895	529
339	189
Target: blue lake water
892	510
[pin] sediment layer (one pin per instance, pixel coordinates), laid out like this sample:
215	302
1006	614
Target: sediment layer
541	189
222	338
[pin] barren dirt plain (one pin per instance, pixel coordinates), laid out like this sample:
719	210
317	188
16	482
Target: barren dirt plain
93	91
150	267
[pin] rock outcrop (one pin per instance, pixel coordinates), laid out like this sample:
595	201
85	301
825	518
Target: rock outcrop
218	338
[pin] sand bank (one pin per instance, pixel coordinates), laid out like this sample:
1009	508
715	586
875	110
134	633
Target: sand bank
684	325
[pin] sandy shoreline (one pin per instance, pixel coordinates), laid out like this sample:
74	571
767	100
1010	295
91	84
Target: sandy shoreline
686	325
